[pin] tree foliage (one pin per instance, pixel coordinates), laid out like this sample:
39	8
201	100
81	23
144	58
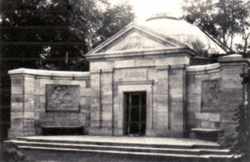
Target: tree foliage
200	13
241	142
56	34
223	19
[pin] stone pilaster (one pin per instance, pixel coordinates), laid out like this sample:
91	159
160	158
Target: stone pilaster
22	106
161	116
232	91
177	95
101	120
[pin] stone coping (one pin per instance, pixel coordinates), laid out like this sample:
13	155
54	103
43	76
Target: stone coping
208	67
232	58
48	73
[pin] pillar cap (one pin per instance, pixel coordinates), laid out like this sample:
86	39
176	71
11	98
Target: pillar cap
231	58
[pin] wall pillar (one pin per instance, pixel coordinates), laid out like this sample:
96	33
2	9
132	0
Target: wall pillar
232	91
22	105
177	100
101	79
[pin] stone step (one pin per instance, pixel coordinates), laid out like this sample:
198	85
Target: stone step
146	146
133	153
131	144
145	149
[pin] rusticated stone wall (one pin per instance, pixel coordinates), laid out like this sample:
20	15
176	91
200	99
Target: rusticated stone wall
203	89
179	97
161	77
214	93
48	99
233	93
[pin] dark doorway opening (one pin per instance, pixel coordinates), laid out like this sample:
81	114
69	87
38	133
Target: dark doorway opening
63	131
135	113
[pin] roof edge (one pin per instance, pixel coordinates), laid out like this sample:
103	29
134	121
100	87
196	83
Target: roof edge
140	28
120	54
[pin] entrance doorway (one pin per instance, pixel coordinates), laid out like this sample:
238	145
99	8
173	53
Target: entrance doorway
135	113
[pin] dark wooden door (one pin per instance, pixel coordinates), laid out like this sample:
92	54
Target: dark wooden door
135	113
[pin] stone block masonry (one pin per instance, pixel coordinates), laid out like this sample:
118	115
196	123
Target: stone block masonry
48	99
178	97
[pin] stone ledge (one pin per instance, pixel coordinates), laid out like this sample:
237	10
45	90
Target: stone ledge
49	73
140	53
232	58
142	82
206	130
198	68
210	134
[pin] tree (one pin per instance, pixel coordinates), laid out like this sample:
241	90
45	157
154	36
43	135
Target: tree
201	14
223	19
113	20
56	34
244	46
230	18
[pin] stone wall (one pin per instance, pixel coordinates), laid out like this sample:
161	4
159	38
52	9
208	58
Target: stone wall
214	93
111	78
179	97
203	86
232	92
48	99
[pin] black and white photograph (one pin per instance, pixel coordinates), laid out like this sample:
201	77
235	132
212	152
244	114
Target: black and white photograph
124	80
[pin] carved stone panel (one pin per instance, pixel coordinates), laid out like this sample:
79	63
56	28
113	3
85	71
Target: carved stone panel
62	97
210	95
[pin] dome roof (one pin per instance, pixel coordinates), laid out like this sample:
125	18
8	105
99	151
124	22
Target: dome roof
185	33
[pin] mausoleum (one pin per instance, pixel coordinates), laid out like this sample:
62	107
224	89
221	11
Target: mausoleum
160	78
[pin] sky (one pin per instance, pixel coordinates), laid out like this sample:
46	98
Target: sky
146	8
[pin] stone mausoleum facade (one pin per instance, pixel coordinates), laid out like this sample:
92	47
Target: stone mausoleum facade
159	78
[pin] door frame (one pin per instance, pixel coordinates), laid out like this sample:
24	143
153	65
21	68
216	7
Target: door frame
129	86
127	112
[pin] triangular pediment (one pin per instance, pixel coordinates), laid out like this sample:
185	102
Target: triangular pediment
133	38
